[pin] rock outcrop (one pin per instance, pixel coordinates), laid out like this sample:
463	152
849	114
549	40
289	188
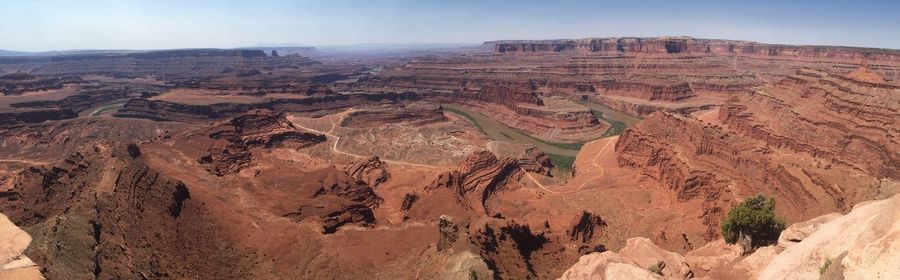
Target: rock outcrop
504	95
13	262
588	225
104	214
536	161
799	231
606	266
35	116
230	152
859	245
515	251
159	110
868	235
777	118
713	257
20	82
691	46
555	120
655	154
166	63
640	259
408	201
89	98
334	218
645	254
371	171
414	114
478	178
866	75
712	166
449	233
338	201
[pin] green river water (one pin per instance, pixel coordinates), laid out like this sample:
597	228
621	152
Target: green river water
562	154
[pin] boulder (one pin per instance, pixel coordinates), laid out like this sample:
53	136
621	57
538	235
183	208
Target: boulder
798	231
755	262
13	262
606	266
645	254
712	255
869	234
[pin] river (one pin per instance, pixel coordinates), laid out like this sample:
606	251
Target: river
562	154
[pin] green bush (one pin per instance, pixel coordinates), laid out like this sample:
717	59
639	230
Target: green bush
754	218
825	266
655	269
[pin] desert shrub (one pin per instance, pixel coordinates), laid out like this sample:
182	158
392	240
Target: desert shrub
655	269
825	266
754	218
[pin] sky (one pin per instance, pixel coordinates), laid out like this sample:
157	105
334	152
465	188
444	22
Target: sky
40	25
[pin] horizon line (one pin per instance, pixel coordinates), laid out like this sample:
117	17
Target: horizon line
462	44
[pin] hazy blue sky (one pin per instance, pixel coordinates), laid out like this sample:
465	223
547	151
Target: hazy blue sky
56	24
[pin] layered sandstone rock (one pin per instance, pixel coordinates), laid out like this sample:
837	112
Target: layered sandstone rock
104	214
635	75
588	225
478	178
799	231
407	204
640	259
19	82
645	254
466	265
672	91
557	120
687	45
536	161
650	148
449	233
334	218
35	116
712	166
256	129
13	262
372	171
158	110
515	251
838	121
166	63
606	266
864	74
505	95
712	257
340	200
859	245
868	234
53	140
415	114
88	98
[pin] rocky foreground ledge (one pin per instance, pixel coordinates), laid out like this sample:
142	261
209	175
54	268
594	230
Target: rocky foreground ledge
13	262
863	244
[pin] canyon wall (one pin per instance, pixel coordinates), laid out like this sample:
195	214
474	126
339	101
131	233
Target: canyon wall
687	45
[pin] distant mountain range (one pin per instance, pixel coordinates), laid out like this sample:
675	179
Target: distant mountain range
14	53
63	52
281	48
392	47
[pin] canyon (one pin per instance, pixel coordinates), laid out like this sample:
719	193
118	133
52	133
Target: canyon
590	158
